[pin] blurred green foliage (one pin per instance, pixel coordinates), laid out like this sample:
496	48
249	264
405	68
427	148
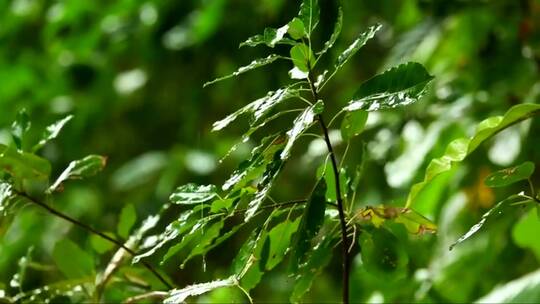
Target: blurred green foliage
131	73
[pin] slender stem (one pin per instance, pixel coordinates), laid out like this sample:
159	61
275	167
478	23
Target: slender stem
533	191
66	217
339	200
153	295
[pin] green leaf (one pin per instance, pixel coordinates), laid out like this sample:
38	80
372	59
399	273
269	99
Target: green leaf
257	63
509	176
177	296
309	14
317	260
326	171
301	124
356	45
335	34
51	132
258	108
523	290
413	221
311	223
280	239
302	57
101	245
399	86
490	217
6	195
458	149
185	222
23	165
72	261
246	263
296	29
79	169
20	127
382	253
128	217
526	231
270	37
353	124
193	194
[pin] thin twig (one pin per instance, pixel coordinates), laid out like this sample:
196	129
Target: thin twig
76	222
153	295
339	200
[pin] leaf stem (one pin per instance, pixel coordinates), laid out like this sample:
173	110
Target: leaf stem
76	222
339	200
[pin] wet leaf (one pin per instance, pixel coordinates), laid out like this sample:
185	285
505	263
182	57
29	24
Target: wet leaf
270	37
257	63
309	227
302	57
51	132
301	124
525	232
353	124
296	29
414	222
317	260
309	14
20	127
458	149
280	239
356	45
523	290
23	165
399	86
511	175
78	169
6	195
193	194
177	296
382	253
490	217
259	108
335	34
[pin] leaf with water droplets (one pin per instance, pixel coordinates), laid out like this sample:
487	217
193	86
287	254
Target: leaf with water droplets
193	194
20	127
177	296
309	14
490	216
78	169
257	63
258	108
23	165
270	37
399	86
51	132
353	124
356	45
6	195
301	124
511	175
458	149
311	223
335	34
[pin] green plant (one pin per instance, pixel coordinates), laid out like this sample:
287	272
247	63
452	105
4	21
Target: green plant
304	230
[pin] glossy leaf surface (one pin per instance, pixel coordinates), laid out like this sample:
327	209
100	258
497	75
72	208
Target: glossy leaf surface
257	63
396	87
193	194
78	169
459	148
311	223
511	175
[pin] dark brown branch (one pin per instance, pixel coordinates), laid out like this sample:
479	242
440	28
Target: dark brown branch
75	222
339	200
